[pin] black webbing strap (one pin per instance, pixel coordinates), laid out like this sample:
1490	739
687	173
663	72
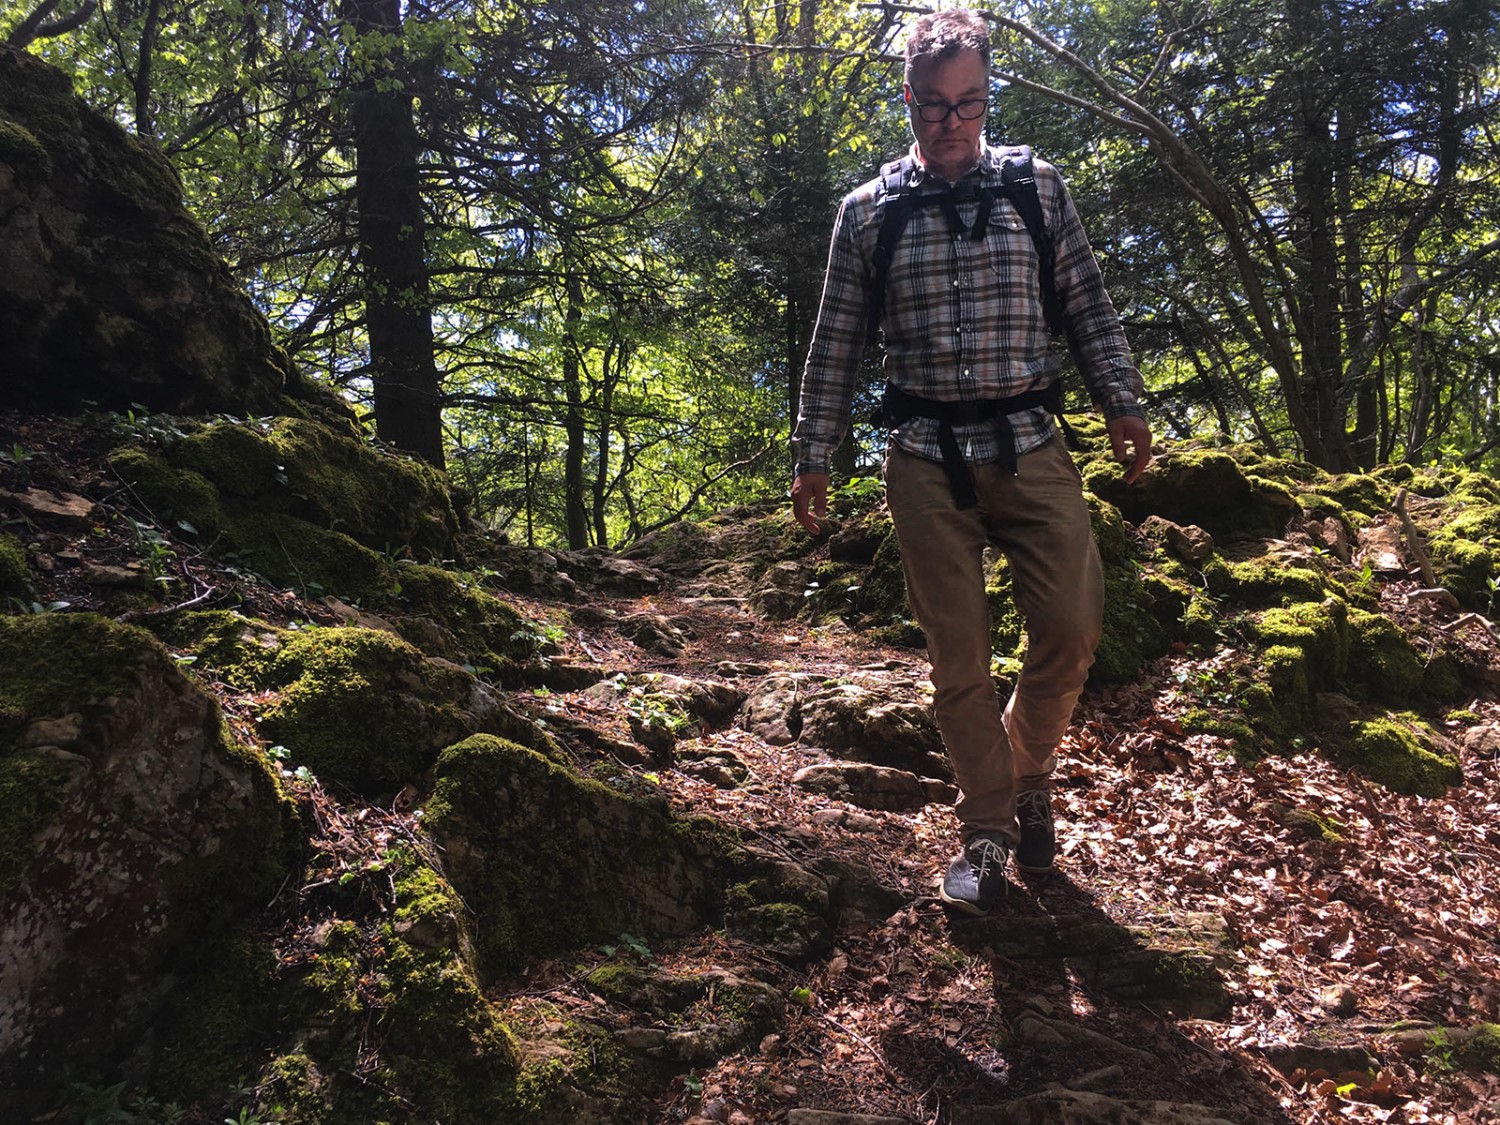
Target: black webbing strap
898	406
900	199
1018	175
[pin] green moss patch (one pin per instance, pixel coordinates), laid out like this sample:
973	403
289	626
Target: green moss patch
1203	487
1381	660
549	861
397	1003
450	616
1400	752
15	575
362	708
300	502
1319	630
1267	580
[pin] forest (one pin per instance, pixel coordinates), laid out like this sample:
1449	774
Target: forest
572	252
418	704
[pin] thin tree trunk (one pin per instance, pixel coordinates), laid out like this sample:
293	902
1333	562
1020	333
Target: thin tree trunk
577	511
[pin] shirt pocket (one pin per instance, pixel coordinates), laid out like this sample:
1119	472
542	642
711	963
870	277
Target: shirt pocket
1012	263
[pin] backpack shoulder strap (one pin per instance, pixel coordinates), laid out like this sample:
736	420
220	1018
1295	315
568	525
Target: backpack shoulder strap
895	205
1018	180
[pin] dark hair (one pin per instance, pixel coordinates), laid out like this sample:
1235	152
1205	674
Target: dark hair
941	35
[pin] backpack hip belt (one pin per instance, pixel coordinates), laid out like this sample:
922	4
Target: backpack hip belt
898	407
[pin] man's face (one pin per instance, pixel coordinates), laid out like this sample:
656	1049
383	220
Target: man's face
949	147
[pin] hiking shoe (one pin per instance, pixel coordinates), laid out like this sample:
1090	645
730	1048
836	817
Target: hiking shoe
1038	840
976	879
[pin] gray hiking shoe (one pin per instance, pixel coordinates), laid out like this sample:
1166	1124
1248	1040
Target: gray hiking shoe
1035	852
976	879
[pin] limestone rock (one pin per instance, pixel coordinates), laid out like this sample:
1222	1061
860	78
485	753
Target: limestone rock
870	787
601	569
133	822
653	632
773	708
1191	544
517	830
863	723
783	590
109	291
62	508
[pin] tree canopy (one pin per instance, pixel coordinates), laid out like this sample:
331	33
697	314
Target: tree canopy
573	251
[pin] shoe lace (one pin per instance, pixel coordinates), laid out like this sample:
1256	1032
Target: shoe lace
1034	804
982	853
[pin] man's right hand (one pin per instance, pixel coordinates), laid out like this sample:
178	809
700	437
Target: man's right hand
810	500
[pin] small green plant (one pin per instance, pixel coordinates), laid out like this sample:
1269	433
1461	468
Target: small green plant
22	462
630	948
1438	1053
114	1105
653	710
49	607
155	550
859	490
539	636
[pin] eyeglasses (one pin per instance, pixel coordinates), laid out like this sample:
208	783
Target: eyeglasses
935	112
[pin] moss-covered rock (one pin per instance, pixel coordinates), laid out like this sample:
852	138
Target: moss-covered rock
130	822
1266	580
358	707
1320	630
1399	751
1368	494
243	479
882	594
1382	662
449	615
362	708
1286	672
1131	635
1200	621
109	291
1169	599
713	1013
517	828
15	575
1481	1049
1203	487
386	1021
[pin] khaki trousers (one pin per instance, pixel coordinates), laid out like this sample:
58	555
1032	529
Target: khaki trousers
1040	520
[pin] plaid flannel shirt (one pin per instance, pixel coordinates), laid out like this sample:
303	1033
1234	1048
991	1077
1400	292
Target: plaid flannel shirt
963	319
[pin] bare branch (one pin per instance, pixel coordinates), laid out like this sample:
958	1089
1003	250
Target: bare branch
36	25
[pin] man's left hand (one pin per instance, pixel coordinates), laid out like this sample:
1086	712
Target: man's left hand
1130	439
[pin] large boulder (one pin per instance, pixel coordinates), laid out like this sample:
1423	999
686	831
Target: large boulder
130	822
109	291
521	834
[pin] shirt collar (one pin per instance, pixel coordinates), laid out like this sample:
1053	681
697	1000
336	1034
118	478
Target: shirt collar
988	165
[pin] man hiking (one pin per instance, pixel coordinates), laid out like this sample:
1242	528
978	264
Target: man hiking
971	259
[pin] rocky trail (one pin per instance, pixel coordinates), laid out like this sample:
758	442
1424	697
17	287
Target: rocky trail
1203	952
1226	937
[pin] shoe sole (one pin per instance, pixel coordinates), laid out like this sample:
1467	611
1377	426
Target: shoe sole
973	909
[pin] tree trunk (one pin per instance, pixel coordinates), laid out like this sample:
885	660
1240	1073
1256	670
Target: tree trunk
393	264
615	362
574	487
